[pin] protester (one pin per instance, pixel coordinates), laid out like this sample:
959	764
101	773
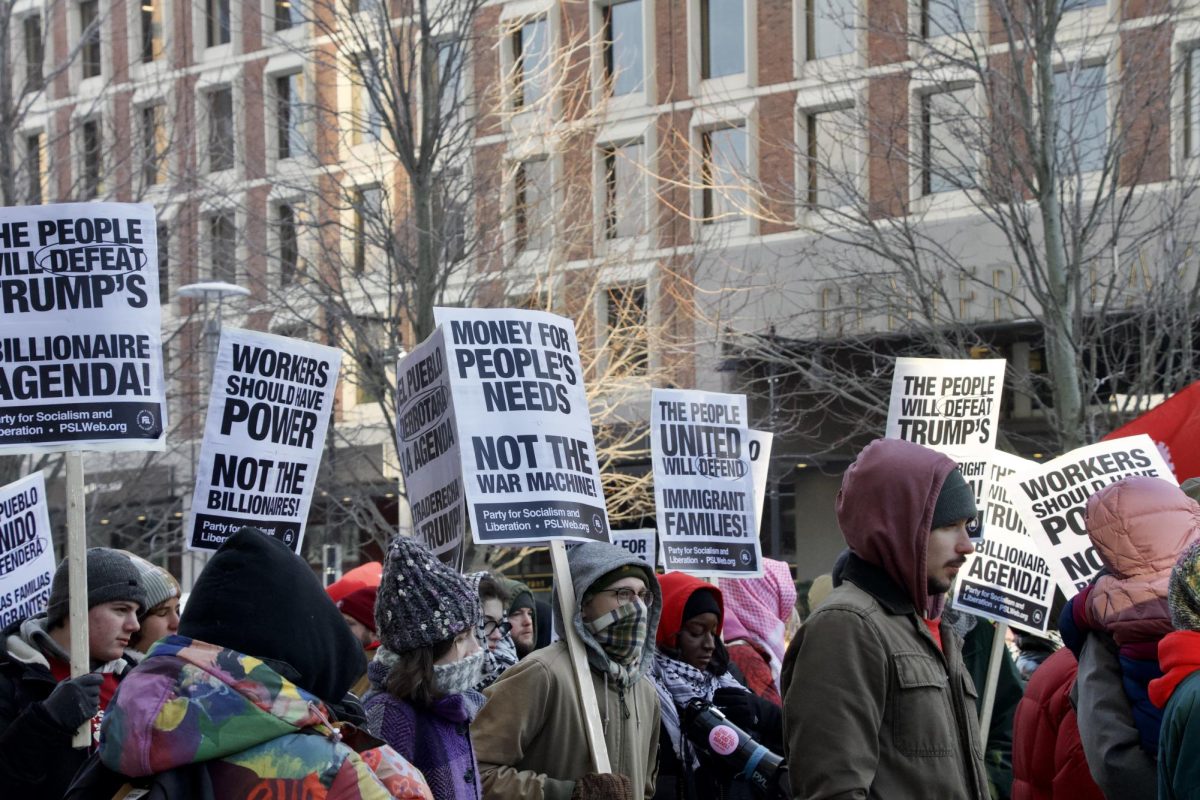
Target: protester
243	702
1139	526
358	609
757	611
530	736
522	615
494	628
1177	692
1047	755
41	706
820	588
160	616
877	700
1032	652
543	620
692	664
431	656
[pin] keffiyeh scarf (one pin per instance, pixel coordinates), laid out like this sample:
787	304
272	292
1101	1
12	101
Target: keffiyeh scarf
677	683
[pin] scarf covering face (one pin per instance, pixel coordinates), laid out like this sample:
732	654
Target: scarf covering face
458	676
677	683
505	654
621	632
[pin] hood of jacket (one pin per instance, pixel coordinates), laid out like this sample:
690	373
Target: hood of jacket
1179	657
885	510
190	702
589	562
1139	526
677	588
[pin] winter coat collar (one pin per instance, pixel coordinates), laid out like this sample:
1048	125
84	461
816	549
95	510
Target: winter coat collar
31	645
876	582
1179	657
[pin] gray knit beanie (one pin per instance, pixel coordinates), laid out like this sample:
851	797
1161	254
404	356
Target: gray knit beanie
110	576
421	601
158	584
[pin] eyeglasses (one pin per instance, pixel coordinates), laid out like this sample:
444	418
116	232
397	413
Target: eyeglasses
490	626
626	595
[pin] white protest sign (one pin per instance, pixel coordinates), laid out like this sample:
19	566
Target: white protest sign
703	484
80	329
267	416
1052	501
524	428
759	447
427	444
1007	578
952	406
639	542
26	550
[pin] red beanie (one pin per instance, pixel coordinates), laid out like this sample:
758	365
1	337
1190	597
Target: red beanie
360	604
677	589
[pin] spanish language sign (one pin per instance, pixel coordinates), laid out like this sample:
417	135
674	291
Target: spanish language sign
26	550
703	483
1052	500
427	444
1006	579
80	343
639	542
952	406
267	416
524	429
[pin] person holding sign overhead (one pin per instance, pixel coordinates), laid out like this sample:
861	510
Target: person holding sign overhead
877	700
530	736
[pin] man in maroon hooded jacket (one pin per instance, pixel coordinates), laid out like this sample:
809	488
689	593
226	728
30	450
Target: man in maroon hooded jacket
877	701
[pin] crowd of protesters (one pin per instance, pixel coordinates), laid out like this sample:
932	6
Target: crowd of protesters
426	683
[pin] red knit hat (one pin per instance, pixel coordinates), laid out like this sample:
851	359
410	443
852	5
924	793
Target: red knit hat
677	589
360	604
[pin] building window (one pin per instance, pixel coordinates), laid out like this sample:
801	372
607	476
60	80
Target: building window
830	158
624	190
217	22
946	159
450	54
1081	103
372	346
289	115
946	17
628	345
287	14
722	173
449	215
91	151
531	61
154	144
163	241
152	29
89	42
624	62
722	38
289	250
366	96
33	163
222	240
533	209
31	29
1191	105
830	27
220	130
366	203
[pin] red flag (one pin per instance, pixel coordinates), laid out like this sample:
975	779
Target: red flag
1174	425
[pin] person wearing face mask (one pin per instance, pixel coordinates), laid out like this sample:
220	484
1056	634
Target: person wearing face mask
530	735
494	627
693	663
430	657
160	616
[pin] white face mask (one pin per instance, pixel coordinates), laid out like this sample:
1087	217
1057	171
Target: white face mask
458	676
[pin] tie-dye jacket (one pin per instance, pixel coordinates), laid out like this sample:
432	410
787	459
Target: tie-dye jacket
259	734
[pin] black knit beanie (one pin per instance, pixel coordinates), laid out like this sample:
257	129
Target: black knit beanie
702	601
110	576
956	501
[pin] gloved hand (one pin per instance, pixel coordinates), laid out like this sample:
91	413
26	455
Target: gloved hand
74	701
738	706
603	786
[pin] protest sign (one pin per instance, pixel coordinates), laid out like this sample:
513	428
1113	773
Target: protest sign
26	550
703	483
1051	500
759	448
524	428
427	444
952	406
639	542
1006	579
267	416
80	329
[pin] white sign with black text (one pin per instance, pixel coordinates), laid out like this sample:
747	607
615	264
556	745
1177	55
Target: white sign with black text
639	542
26	550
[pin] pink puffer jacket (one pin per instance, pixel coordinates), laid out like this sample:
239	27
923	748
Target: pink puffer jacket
1139	526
